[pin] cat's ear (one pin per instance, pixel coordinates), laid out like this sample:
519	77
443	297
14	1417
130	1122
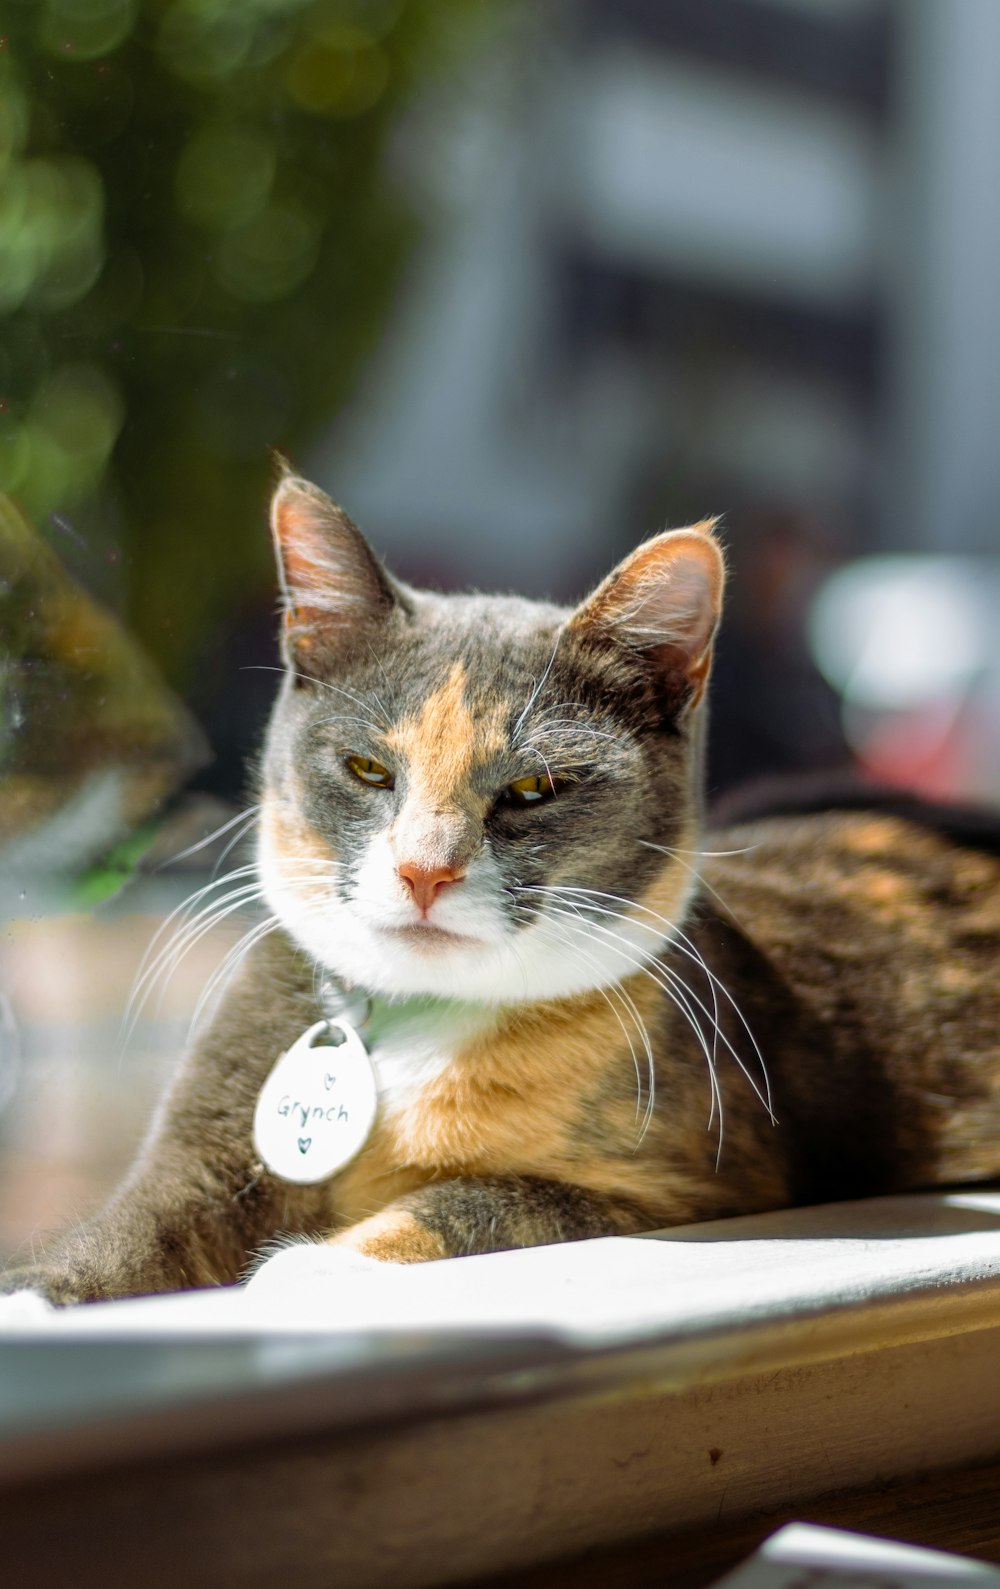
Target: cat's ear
333	587
663	603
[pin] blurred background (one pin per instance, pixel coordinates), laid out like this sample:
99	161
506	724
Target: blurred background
519	284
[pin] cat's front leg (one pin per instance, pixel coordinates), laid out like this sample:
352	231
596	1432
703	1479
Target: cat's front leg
476	1214
461	1216
190	1214
173	1225
444	1219
197	1203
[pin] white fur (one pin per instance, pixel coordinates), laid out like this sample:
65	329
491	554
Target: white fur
293	1272
412	1045
498	964
22	1309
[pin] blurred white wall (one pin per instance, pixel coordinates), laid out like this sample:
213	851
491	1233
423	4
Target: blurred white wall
850	242
943	478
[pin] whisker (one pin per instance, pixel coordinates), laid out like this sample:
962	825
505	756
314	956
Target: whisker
255	933
534	751
542	728
693	954
516	953
607	993
633	1010
237	839
532	698
181	911
191	929
675	855
216	982
686	946
669	849
678	991
350	717
192	849
310	678
378	663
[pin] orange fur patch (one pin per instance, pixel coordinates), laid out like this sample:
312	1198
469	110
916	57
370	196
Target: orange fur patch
296	846
392	1237
373	1181
511	1103
441	742
439	823
437	742
872	836
888	892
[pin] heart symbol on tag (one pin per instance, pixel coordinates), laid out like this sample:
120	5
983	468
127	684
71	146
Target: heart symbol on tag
329	1081
305	1143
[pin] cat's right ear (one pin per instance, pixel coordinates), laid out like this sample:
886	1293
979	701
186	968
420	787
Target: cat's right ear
663	605
334	590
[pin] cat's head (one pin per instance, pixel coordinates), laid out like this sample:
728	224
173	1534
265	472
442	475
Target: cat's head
482	797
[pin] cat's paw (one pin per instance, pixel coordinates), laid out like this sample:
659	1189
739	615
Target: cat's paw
56	1286
304	1267
24	1308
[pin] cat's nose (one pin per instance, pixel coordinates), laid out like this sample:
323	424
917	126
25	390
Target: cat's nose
426	882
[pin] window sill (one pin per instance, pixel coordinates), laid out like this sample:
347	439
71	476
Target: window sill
485	1413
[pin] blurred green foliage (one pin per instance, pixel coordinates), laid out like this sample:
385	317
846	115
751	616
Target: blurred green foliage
199	237
86	724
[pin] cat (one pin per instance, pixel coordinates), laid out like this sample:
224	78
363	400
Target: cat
481	820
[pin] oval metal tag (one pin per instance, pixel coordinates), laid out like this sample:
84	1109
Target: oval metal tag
317	1107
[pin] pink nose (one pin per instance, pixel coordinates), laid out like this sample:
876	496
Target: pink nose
426	882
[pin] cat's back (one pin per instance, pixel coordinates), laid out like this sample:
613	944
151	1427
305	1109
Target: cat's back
866	944
887	873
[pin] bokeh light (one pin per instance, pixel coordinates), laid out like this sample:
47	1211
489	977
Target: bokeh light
85	29
225	175
344	74
892	632
270	254
202	42
71	427
15	114
51	245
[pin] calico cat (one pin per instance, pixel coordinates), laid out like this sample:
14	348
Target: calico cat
482	816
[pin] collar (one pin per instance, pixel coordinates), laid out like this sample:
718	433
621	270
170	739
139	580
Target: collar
352	1006
374	1017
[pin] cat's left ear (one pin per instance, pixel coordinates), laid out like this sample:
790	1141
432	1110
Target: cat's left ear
663	603
334	588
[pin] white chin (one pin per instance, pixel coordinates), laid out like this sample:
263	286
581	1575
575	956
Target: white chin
508	968
470	954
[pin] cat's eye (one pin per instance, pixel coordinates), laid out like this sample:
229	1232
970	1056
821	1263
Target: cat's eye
530	791
368	771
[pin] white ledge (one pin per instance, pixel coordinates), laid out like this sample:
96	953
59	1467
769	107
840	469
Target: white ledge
646	1384
919	1265
709	1302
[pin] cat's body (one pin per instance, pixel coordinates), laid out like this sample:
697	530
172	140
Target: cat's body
586	1016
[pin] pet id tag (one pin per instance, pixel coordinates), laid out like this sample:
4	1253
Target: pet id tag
317	1107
